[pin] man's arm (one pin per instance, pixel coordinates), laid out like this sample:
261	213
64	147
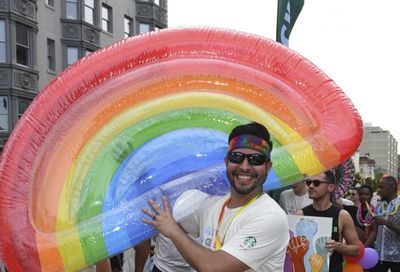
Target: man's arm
299	212
103	266
199	257
141	254
282	202
369	242
380	220
352	246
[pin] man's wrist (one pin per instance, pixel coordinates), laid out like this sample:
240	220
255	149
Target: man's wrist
176	232
388	224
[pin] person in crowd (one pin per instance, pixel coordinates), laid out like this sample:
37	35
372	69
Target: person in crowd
385	236
352	209
166	257
136	259
245	230
319	189
354	197
100	266
296	198
365	210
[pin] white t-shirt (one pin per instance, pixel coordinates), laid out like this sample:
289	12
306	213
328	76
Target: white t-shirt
167	258
291	203
129	260
258	235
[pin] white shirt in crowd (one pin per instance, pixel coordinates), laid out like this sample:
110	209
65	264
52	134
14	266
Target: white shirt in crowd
290	202
167	258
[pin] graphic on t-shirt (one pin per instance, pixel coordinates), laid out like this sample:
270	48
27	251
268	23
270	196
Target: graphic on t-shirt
208	236
306	249
249	242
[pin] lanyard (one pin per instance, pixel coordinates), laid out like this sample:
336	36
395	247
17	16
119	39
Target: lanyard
218	242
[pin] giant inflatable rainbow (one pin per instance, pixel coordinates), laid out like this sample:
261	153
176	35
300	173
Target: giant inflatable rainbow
150	111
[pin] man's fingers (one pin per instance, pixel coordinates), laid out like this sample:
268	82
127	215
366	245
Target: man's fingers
149	213
166	205
144	220
155	206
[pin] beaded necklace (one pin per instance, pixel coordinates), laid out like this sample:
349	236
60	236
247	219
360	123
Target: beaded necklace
368	217
386	210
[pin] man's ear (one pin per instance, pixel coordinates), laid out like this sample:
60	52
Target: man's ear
269	165
331	187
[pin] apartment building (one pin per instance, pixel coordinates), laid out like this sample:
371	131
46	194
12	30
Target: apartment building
381	146
40	38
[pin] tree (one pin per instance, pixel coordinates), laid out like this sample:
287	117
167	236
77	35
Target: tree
357	180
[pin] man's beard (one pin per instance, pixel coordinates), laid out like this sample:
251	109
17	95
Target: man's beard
259	181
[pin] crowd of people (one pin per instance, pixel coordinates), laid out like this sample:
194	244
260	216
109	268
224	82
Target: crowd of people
247	230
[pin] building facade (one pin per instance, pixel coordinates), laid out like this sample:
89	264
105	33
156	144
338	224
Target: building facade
356	161
381	146
366	167
40	38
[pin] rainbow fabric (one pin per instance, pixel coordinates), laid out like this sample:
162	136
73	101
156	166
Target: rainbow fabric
140	113
251	142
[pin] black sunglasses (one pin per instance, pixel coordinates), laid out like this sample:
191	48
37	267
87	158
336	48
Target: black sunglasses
315	182
253	159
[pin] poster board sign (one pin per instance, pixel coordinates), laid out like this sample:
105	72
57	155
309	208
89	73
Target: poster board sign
306	250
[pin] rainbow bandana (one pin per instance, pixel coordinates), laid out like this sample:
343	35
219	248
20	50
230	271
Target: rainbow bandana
252	142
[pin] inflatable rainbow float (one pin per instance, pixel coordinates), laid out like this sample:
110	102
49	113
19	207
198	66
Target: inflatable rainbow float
148	115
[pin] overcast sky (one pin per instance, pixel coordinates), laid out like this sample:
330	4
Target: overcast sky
355	42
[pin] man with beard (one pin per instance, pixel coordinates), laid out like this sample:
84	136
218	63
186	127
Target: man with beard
319	189
386	233
246	230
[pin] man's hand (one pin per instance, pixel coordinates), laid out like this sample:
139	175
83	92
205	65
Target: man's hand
162	219
380	220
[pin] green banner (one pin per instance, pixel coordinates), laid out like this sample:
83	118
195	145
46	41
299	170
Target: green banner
288	11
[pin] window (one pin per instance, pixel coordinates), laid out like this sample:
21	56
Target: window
143	27
157	2
72	9
128	27
106	18
72	55
22	44
89	11
23	104
50	3
51	55
88	52
3	47
3	113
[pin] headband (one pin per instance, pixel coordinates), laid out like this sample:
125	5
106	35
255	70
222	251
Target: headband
252	142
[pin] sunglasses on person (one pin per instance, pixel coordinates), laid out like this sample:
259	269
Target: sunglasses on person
315	182
253	159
